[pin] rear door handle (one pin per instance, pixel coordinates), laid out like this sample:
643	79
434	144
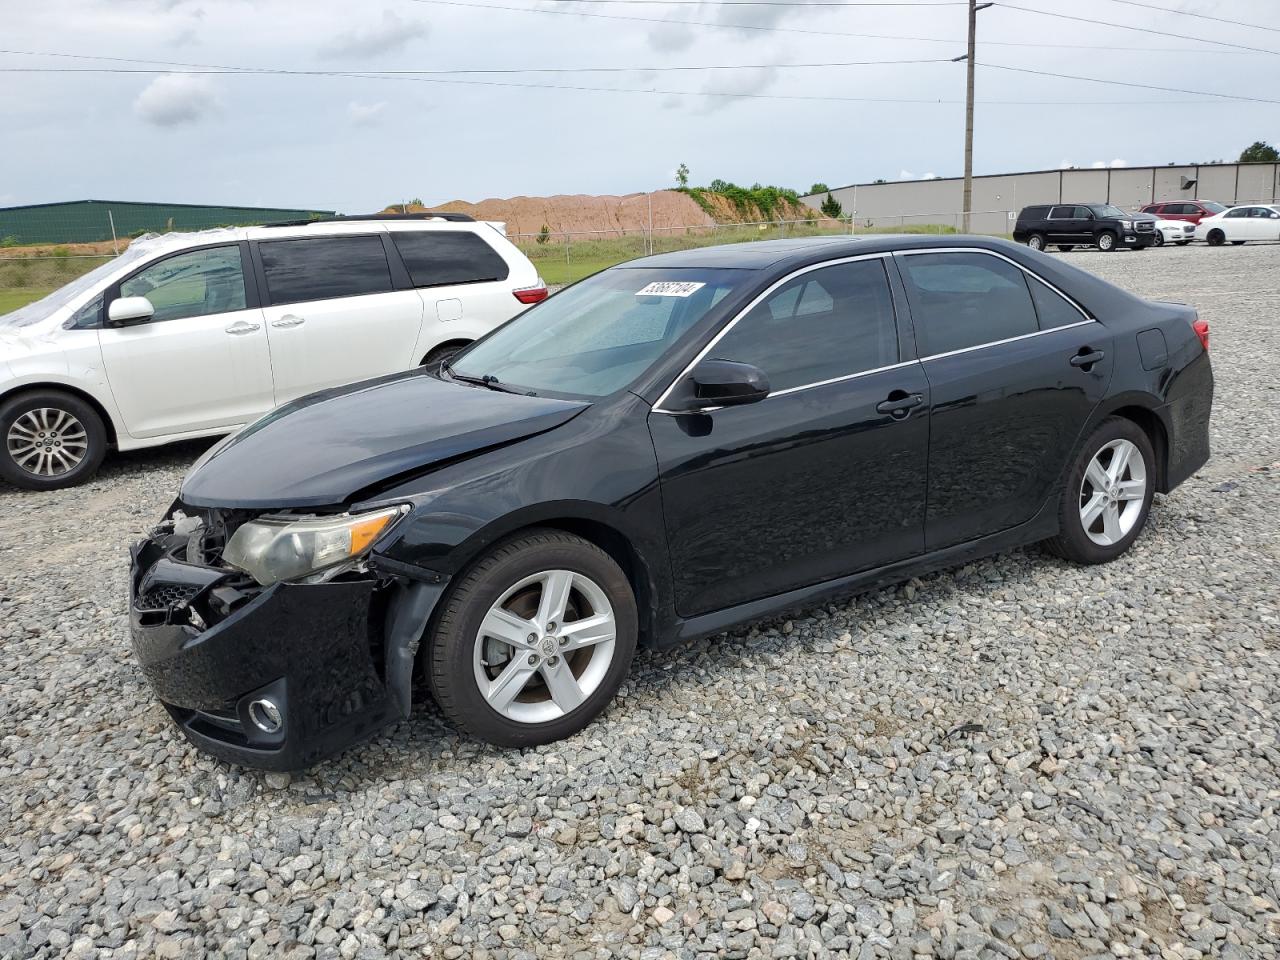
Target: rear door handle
289	320
1087	358
899	404
240	328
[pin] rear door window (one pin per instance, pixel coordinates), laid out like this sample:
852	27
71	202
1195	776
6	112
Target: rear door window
442	258
1062	213
962	300
324	268
822	325
1052	309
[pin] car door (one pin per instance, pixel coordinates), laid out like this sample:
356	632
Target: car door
1235	223
1063	227
334	312
202	361
822	478
1010	387
1263	224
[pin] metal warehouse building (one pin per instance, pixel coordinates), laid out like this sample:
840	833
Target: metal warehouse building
998	198
83	221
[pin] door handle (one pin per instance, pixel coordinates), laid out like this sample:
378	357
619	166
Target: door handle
899	404
289	320
1086	358
240	328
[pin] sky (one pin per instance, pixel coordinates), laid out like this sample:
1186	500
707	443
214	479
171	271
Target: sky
318	136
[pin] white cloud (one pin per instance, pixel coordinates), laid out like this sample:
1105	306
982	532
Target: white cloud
1099	165
176	98
906	175
671	38
929	176
1119	163
741	83
377	37
365	114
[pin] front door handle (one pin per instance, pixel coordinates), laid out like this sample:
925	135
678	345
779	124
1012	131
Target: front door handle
899	404
289	320
1086	358
240	328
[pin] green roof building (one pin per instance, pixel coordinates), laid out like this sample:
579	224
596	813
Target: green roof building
85	221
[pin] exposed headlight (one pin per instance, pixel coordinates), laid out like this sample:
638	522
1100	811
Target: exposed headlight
1126	224
270	550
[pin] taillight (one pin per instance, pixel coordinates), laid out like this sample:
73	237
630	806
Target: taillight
532	294
1201	328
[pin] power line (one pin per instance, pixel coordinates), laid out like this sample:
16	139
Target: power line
1110	23
203	68
1128	3
950	41
1128	83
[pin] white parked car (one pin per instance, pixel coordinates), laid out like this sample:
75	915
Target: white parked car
1174	231
1258	221
196	334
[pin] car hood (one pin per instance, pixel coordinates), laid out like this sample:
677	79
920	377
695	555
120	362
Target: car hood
324	449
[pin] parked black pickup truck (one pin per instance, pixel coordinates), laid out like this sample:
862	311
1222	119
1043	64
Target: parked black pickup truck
1100	225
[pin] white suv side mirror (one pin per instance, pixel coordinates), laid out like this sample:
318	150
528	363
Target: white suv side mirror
127	310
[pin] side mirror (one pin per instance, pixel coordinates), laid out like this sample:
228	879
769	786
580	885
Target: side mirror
727	383
129	310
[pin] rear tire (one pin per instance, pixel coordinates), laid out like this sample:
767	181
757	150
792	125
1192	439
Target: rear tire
561	679
1216	238
49	440
1106	241
1036	241
436	358
1108	494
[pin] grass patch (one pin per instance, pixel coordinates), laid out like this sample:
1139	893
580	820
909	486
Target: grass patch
14	297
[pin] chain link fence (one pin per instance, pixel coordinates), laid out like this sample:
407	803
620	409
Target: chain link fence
29	271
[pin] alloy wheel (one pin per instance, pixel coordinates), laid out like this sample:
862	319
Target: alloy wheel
1035	242
1106	241
1113	492
545	646
47	442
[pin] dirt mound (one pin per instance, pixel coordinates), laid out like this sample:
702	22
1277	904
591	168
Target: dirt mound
606	215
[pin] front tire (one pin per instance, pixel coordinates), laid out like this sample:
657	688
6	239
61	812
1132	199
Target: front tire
534	640
1036	241
1159	239
49	440
1106	241
1108	494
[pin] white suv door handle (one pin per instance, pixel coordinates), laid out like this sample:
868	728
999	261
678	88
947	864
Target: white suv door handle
240	328
289	320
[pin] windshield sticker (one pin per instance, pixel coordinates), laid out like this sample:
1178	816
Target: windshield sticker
670	288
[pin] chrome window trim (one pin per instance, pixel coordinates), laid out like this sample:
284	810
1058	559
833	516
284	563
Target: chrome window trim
1086	319
768	291
996	343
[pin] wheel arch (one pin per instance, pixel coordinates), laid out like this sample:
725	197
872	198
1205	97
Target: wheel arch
592	523
1144	414
455	342
108	422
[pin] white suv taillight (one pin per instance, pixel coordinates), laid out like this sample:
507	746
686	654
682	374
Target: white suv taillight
532	294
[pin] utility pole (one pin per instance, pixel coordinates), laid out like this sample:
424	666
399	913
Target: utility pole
967	201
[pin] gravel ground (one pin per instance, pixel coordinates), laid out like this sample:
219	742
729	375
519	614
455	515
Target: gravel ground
1018	758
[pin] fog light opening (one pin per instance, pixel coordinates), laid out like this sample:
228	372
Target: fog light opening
265	715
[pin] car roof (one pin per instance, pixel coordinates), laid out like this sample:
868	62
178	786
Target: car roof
766	254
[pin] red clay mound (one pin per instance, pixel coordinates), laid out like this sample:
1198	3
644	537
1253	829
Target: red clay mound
605	214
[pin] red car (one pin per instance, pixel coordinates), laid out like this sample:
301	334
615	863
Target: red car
1192	211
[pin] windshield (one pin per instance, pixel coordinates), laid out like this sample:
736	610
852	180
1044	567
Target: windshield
46	305
599	335
1214	207
1107	210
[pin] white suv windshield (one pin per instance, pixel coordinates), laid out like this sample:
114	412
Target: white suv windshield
46	305
599	335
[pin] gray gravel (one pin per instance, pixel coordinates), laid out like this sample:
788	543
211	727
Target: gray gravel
1017	758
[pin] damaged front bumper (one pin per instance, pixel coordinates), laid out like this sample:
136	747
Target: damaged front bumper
274	677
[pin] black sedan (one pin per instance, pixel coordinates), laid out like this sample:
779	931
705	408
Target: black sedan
664	450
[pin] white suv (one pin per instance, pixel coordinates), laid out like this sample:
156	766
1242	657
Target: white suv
196	334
